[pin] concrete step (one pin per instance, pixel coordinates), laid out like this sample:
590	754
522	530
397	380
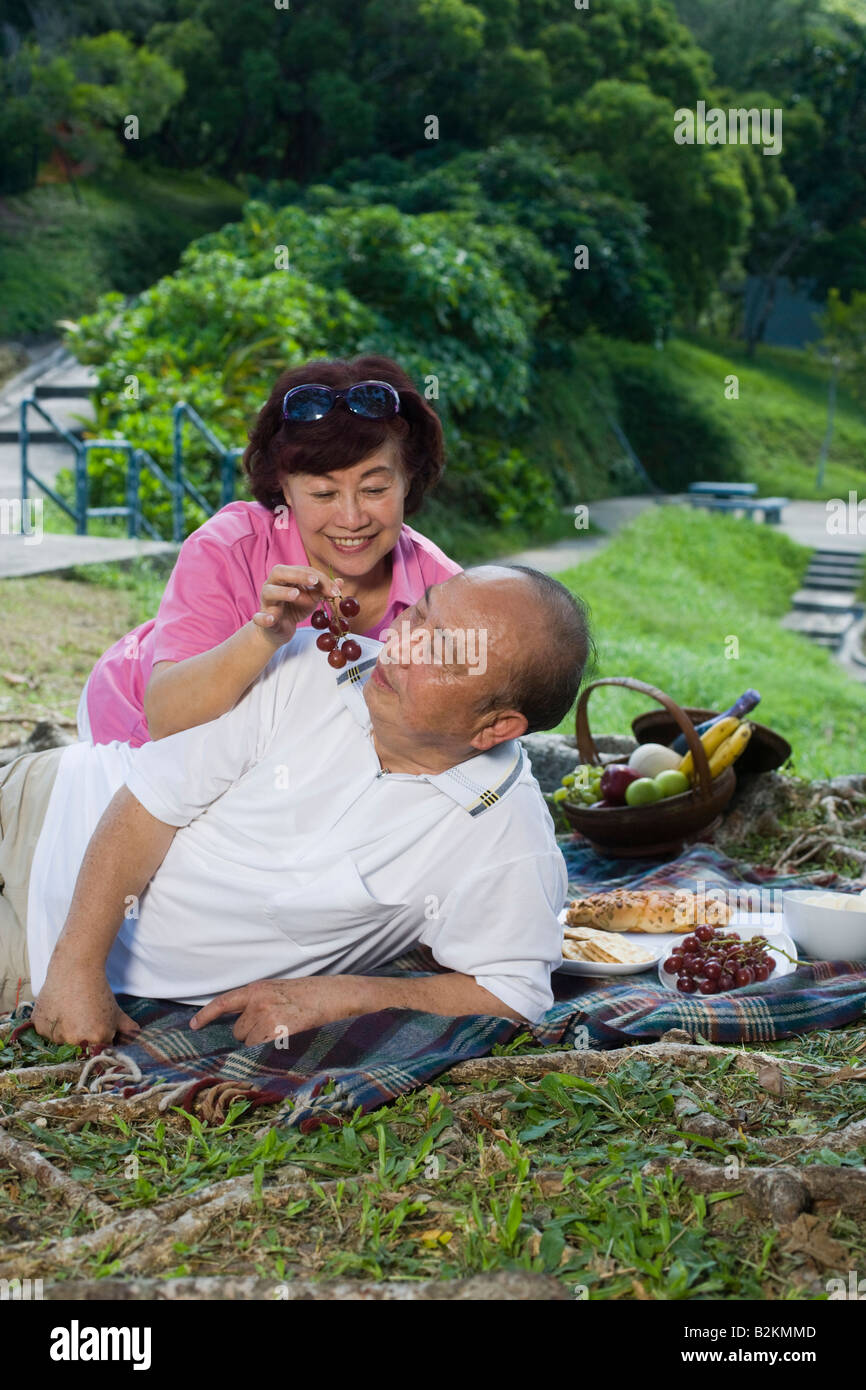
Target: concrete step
40	435
826	567
829	584
842	567
64	390
815	624
828	600
824	554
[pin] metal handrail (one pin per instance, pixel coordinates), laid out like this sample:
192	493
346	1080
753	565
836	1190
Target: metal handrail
181	413
139	460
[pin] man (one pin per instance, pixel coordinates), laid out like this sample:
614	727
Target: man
261	863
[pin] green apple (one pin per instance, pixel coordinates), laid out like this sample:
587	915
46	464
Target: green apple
670	782
642	792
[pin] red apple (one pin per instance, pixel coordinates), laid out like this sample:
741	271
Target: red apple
614	780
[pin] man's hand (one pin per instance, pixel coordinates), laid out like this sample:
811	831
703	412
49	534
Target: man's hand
269	1009
76	1006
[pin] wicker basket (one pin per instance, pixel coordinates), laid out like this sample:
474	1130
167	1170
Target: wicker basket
664	826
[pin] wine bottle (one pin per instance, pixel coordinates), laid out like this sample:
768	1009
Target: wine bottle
739	709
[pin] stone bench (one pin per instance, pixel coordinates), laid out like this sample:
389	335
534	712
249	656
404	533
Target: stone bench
770	506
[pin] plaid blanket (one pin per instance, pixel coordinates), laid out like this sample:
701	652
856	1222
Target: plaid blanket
365	1062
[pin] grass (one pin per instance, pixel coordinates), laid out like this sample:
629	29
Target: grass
58	255
543	1176
691	603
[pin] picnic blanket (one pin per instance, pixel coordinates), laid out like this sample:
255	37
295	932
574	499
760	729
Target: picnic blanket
327	1073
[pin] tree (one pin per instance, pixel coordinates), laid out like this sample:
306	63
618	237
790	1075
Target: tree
843	345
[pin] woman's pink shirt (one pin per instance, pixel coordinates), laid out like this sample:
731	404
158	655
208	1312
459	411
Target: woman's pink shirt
214	589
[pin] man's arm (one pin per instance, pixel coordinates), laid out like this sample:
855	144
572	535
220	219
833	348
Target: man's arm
278	1008
75	1004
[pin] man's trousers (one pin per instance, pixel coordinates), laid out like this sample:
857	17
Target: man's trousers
25	789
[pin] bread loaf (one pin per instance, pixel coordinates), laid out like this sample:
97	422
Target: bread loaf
643	910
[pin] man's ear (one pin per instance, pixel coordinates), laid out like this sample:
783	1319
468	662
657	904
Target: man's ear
505	724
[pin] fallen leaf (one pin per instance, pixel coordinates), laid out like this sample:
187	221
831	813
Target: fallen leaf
809	1235
14	679
771	1079
435	1237
843	1074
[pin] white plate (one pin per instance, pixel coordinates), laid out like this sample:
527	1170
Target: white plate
646	940
778	938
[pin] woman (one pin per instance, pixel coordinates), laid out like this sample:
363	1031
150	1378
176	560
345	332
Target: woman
333	471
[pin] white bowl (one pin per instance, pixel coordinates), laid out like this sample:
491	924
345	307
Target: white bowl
828	925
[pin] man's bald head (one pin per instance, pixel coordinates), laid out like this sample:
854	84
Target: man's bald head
542	633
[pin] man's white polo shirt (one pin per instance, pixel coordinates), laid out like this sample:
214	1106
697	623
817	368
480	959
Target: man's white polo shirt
297	855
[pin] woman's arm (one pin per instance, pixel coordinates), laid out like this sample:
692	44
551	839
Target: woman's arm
183	694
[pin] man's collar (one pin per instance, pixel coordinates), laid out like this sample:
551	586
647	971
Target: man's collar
477	783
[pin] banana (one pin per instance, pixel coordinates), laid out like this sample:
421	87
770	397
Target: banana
730	750
714	736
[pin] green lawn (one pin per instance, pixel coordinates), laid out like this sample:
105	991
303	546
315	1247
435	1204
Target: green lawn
671	596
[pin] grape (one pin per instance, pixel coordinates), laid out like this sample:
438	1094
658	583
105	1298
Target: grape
686	985
320	619
336	658
744	976
762	972
709	987
672	965
691	963
352	649
771	964
704	933
326	642
689	943
350	608
725	982
712	969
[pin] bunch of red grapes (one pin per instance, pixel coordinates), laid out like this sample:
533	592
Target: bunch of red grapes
711	961
332	628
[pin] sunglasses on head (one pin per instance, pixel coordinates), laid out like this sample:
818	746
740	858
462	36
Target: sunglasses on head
374	400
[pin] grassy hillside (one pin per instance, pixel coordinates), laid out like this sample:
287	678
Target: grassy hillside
780	417
673	408
57	255
666	597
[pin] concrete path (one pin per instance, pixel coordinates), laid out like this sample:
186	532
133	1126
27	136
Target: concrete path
804	522
52	554
610	513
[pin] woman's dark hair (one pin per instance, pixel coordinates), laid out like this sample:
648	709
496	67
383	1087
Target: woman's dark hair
341	439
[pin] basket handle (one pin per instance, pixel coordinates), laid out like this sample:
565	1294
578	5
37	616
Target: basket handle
586	744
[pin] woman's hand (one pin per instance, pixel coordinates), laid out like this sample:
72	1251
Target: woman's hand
289	595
